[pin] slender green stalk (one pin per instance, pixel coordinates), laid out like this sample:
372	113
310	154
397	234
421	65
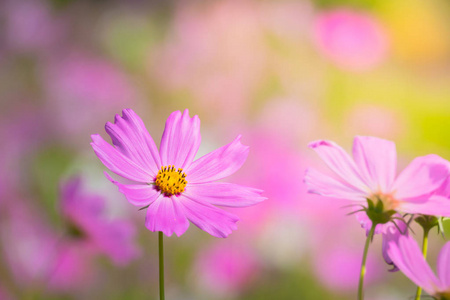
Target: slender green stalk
424	252
161	265
363	263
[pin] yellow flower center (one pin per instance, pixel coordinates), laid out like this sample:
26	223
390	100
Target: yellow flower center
171	181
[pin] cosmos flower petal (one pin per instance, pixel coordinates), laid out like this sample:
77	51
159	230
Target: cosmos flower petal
136	194
115	239
324	185
166	214
211	219
376	160
218	164
387	259
181	140
443	264
435	206
421	177
406	255
340	163
391	233
117	162
131	138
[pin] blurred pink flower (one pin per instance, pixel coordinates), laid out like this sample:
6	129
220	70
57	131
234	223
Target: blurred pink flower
352	40
82	89
371	174
36	255
407	256
338	266
89	227
173	186
281	183
226	269
375	120
218	61
25	130
30	26
287	118
288	19
335	244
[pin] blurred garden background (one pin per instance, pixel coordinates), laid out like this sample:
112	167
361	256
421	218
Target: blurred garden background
281	73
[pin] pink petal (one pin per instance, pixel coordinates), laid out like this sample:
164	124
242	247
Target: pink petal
421	177
387	259
180	140
116	239
340	163
376	160
224	194
211	219
391	234
406	255
166	214
444	190
218	164
131	138
117	162
435	206
324	185
443	266
136	194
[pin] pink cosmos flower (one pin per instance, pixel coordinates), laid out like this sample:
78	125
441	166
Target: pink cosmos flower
175	188
371	175
226	269
407	256
89	227
353	40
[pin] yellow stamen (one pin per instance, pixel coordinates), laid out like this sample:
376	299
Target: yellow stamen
171	181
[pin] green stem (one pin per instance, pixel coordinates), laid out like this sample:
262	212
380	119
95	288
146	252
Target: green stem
363	263
424	252
161	265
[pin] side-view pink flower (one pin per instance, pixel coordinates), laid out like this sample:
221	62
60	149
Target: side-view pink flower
175	187
406	255
89	227
371	175
390	231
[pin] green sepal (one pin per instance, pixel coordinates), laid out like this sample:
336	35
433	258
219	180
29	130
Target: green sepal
377	214
427	222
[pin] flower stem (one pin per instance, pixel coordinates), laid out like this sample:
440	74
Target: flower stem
161	265
424	252
363	263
